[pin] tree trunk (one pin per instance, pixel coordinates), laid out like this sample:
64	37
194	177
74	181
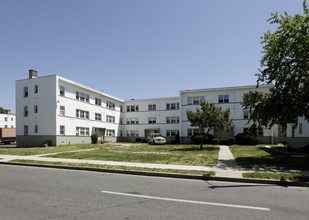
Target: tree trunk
203	139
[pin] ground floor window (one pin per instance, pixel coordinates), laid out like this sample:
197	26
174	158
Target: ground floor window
193	131
132	133
25	129
172	133
110	133
80	131
62	129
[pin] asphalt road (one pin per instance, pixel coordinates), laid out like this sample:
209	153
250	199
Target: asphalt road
42	193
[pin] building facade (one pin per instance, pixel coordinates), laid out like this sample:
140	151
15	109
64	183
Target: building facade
57	111
7	120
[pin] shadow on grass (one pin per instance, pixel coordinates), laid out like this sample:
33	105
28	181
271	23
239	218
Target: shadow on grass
196	149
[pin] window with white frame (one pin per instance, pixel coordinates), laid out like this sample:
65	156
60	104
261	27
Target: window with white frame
132	108
82	114
62	110
25	111
152	120
300	128
195	100
62	129
81	131
172	133
5	119
36	129
172	106
132	133
193	131
98	101
110	133
246	114
98	117
132	121
152	107
172	120
82	97
223	98
25	91
35	109
110	105
25	129
110	118
36	89
62	90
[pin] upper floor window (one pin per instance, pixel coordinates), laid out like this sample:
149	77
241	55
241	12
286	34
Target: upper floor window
35	109
26	91
36	89
132	108
82	114
82	97
110	105
110	118
132	121
152	120
62	90
25	111
172	120
223	98
172	106
62	110
152	107
98	117
5	119
195	100
246	114
98	101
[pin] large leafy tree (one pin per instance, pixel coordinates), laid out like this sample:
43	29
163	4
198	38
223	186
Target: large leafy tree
285	66
209	117
2	110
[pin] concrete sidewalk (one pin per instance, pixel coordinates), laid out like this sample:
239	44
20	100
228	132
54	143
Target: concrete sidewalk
226	167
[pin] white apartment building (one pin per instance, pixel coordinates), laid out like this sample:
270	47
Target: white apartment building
7	120
58	111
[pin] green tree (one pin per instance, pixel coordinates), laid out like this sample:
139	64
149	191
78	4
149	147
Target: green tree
285	66
209	117
3	111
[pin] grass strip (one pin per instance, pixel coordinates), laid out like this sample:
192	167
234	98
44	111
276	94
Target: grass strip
278	176
208	173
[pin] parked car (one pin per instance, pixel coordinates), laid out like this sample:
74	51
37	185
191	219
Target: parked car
156	138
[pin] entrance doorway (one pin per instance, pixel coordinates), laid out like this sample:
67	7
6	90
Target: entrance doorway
150	131
101	133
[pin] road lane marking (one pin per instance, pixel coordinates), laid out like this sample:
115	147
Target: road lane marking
187	201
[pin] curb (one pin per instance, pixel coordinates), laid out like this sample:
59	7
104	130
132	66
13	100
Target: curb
169	175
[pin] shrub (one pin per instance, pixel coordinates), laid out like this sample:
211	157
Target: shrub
247	139
215	141
94	138
231	141
197	139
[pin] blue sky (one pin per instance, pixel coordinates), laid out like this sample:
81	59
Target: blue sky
135	48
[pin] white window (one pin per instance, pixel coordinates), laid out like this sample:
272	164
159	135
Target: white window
62	110
98	101
25	111
98	117
35	109
25	129
110	133
193	131
195	100
26	91
223	98
36	129
172	120
132	121
132	133
152	107
110	105
82	97
171	133
152	120
62	129
62	90
110	119
246	114
80	131
82	114
5	119
172	106
300	127
36	89
132	108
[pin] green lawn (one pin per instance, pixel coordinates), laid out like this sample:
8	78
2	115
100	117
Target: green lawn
261	157
145	153
278	176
